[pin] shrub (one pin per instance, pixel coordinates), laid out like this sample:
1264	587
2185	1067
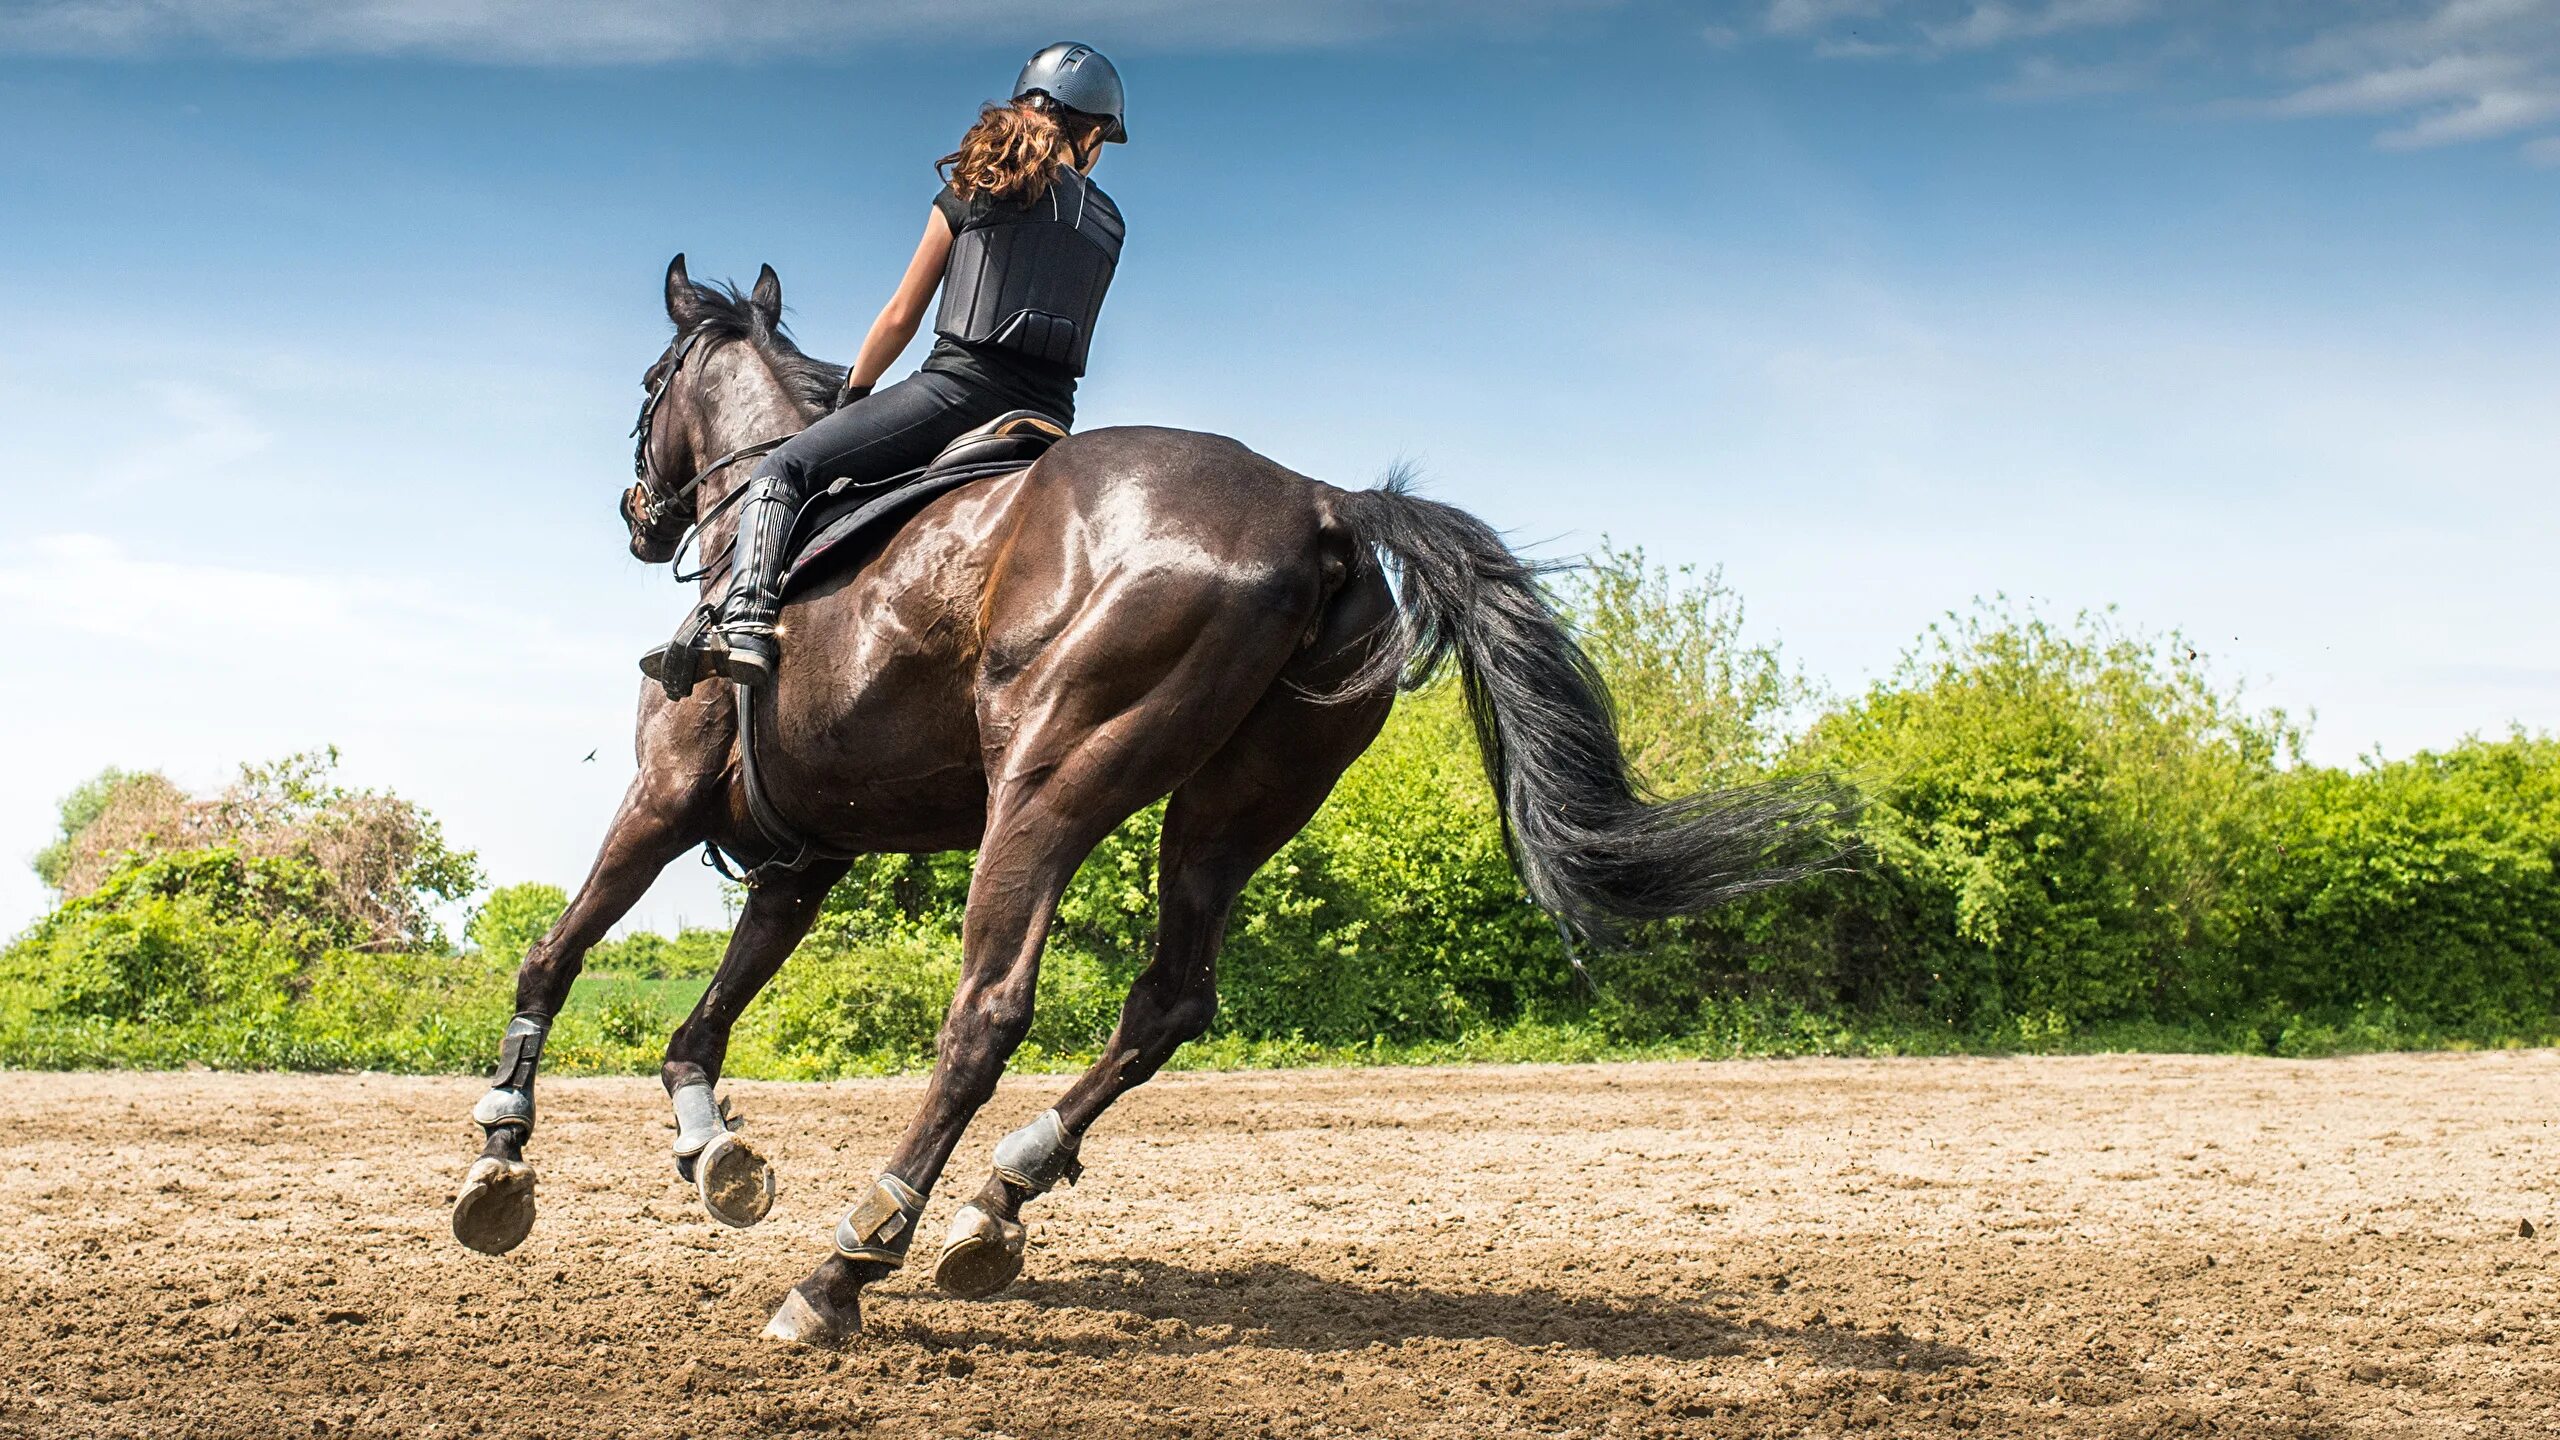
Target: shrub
690	954
170	936
2055	818
2428	886
212	956
512	918
384	861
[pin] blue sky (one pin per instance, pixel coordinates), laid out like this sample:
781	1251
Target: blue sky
327	319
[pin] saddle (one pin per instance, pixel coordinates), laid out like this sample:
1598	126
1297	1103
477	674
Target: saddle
848	518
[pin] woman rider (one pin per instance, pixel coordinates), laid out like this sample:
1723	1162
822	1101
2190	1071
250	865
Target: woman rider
1022	246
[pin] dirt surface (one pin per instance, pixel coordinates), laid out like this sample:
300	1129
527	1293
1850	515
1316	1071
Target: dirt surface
2110	1246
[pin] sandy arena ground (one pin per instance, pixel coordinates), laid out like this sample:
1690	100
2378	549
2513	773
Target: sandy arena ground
2107	1247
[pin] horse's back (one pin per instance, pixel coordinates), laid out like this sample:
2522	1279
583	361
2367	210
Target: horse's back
1186	519
1131	482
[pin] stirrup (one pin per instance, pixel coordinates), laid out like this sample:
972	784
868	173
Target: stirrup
679	668
678	665
701	651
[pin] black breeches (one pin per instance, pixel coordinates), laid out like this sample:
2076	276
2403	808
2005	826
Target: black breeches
885	433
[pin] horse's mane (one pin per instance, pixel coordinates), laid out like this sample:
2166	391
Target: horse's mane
727	314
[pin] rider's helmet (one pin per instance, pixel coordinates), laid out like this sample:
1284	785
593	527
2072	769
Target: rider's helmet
1079	78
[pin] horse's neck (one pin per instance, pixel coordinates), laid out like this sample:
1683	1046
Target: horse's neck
740	403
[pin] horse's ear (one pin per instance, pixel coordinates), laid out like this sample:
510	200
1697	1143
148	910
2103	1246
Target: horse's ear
684	303
767	296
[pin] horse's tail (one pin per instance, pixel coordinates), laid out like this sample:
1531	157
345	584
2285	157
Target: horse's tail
1587	842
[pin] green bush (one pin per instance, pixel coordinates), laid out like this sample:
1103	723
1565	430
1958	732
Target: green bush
2069	837
2054	819
512	918
383	861
169	937
690	954
213	957
2425	886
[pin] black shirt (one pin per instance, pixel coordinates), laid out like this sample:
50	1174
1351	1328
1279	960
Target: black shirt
1029	383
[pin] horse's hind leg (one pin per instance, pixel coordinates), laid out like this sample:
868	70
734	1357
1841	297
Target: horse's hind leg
1224	822
1034	842
731	1176
494	1211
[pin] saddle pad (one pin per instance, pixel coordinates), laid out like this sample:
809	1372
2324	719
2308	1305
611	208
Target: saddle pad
843	528
845	521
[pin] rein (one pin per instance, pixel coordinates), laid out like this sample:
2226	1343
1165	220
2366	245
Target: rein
665	500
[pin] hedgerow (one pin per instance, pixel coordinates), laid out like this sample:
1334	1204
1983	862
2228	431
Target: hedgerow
2068	836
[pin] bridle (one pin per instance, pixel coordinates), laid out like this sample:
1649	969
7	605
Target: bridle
660	505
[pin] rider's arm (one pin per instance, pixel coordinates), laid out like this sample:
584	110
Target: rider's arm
905	310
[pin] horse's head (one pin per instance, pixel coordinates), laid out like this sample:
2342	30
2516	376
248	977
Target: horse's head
675	438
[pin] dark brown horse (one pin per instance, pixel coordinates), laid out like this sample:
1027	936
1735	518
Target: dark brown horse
1142	613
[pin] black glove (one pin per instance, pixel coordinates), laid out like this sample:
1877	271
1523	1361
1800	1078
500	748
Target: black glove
850	393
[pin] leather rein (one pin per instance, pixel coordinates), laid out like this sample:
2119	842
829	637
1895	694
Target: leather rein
661	503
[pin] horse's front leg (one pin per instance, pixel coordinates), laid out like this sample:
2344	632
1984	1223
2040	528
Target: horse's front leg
732	1177
494	1211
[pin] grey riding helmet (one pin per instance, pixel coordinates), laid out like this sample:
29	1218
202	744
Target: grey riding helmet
1079	78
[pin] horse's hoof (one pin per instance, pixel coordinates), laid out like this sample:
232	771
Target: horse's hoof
980	1255
494	1212
735	1183
800	1323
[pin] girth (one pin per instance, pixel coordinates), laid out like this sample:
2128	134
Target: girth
835	522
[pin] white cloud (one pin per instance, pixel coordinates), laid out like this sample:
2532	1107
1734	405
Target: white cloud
2438	72
2371	92
646	31
192	614
1805	17
2455	71
2485	116
167	606
202	430
1992	23
2042	78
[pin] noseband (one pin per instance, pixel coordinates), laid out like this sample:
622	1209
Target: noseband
660	506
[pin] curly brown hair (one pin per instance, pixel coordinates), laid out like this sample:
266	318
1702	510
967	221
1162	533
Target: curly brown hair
1015	150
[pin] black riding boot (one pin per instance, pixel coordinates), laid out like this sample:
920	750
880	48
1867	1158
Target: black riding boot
745	632
740	645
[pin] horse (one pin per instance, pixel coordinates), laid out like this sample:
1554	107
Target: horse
1141	614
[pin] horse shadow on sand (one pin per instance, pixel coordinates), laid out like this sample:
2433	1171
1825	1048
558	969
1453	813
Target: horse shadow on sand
1164	1307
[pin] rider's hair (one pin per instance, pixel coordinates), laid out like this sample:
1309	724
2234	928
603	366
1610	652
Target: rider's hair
1015	150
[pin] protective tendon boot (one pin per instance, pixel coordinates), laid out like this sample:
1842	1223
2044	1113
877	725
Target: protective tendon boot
982	1253
494	1212
884	1224
735	1183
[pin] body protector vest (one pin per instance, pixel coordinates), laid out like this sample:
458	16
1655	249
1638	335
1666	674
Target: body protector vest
1030	278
